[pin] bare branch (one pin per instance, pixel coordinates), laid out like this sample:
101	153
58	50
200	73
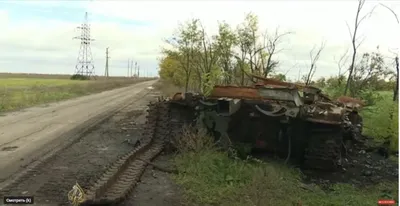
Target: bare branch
287	71
391	10
342	61
272	43
367	15
314	60
362	40
348	28
355	45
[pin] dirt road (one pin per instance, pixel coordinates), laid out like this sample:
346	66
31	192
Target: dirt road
29	135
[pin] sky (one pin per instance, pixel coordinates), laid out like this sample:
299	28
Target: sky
37	36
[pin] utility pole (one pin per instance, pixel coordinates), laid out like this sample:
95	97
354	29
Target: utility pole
84	65
138	71
131	68
107	57
129	62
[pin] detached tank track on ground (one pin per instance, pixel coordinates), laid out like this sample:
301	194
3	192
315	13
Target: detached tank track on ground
121	177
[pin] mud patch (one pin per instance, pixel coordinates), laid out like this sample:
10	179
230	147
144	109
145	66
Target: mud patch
9	149
359	169
156	187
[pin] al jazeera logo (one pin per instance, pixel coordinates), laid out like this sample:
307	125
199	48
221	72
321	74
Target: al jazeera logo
76	196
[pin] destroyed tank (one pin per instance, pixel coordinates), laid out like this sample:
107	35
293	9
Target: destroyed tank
353	123
271	117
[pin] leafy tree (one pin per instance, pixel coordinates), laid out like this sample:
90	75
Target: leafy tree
368	72
185	43
247	40
171	69
226	41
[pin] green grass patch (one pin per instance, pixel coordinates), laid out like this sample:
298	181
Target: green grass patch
378	122
210	177
17	93
30	82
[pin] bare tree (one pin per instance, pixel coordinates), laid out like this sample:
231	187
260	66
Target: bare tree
341	63
354	40
314	60
272	49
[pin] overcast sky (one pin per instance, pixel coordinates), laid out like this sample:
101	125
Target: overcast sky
36	36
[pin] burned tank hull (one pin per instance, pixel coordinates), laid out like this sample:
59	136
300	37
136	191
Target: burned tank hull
353	123
274	119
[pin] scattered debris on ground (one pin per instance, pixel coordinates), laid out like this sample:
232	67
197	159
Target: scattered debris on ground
360	168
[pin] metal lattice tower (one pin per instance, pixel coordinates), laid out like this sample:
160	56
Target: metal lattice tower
84	65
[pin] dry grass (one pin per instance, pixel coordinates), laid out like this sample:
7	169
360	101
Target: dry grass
192	141
166	88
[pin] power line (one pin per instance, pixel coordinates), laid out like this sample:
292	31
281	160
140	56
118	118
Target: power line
85	66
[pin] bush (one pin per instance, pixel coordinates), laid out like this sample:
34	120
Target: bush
381	120
370	97
193	140
79	77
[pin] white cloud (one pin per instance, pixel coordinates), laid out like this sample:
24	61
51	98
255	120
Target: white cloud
49	42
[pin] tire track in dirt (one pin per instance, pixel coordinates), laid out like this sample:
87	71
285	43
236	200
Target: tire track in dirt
85	160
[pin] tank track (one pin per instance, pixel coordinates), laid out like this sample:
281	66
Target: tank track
120	178
323	152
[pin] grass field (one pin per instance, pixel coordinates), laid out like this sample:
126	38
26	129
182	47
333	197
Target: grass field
30	82
211	177
46	76
24	90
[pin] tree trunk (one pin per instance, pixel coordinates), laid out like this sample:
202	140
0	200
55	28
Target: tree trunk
186	83
396	88
349	78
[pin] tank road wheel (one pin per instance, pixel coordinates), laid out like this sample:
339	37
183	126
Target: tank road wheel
323	153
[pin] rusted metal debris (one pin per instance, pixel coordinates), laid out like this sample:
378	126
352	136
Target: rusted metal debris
274	115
